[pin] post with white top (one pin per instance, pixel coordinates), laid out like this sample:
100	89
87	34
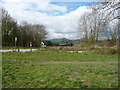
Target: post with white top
15	43
30	46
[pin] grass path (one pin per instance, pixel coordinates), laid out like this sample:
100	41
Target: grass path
78	62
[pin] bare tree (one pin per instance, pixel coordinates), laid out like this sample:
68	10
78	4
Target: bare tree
25	32
98	23
83	25
110	19
9	28
90	25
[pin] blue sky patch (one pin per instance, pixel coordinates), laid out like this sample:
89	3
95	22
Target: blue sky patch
71	6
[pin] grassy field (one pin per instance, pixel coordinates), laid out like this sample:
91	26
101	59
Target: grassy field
48	68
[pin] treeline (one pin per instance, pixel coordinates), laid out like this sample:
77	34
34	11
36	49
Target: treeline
100	25
24	32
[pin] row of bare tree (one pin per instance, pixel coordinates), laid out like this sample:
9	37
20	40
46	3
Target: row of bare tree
24	32
101	23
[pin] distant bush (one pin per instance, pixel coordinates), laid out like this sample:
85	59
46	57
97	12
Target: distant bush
110	51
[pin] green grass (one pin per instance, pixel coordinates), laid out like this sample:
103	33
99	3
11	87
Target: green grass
0	70
49	68
52	55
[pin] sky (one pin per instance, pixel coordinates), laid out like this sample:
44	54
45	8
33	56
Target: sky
60	18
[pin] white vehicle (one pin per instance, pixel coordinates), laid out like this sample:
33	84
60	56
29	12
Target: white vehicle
43	45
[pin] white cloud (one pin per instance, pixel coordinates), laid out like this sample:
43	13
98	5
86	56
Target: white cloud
54	24
43	5
24	1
